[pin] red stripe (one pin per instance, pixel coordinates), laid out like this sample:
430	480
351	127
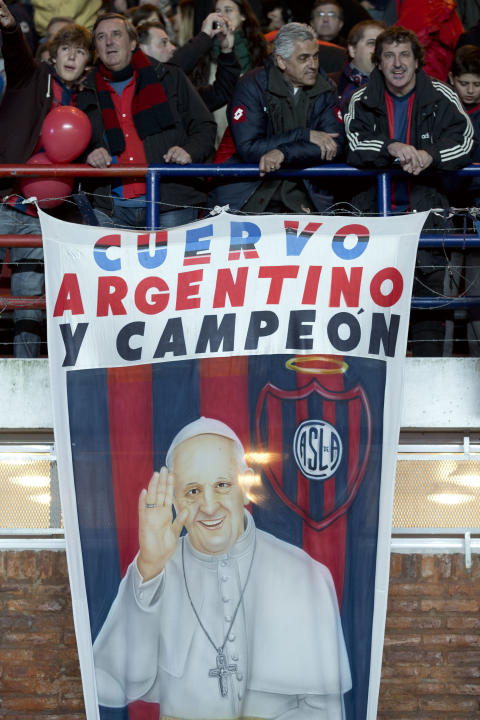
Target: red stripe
411	100
130	416
147	97
391	128
303	483
329	415
354	417
328	547
275	435
139	59
131	437
141	710
390	114
110	119
224	393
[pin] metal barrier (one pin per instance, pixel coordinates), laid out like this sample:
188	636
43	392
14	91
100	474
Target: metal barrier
154	173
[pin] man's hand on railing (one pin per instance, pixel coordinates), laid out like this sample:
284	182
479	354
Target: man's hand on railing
411	160
98	158
271	161
6	18
177	155
325	142
426	161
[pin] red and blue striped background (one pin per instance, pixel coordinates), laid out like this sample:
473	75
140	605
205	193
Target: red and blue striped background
121	423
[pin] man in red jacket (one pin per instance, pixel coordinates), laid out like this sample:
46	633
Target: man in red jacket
142	111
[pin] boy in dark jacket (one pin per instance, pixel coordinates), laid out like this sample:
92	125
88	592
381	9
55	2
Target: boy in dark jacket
357	69
33	89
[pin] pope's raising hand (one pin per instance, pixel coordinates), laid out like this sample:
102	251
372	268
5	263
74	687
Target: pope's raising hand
157	530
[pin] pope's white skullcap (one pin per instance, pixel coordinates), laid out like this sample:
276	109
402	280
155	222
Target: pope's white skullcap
203	426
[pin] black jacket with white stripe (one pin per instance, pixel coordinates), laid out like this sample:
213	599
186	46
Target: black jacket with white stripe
439	125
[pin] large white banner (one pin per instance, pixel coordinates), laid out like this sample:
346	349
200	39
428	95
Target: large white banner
227	404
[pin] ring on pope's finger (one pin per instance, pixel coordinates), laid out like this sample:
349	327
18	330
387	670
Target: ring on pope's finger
150	505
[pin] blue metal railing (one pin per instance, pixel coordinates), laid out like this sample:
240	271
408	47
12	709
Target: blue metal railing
383	179
154	174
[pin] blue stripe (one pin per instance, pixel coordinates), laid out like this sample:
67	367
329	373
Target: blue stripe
89	431
176	402
361	548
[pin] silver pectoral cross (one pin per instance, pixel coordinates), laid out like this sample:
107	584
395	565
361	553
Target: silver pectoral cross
222	672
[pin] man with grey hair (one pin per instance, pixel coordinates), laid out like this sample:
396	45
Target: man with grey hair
283	116
227	621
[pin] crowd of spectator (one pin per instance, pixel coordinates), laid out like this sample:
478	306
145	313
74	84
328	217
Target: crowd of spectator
378	84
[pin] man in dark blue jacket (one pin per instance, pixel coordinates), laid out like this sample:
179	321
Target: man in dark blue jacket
283	116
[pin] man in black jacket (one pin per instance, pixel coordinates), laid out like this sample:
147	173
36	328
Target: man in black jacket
404	118
142	111
283	116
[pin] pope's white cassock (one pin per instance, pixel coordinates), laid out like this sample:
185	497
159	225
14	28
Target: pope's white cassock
285	651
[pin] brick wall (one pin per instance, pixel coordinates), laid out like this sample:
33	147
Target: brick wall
39	672
431	666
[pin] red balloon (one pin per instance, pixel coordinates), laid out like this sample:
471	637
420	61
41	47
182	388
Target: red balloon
66	132
49	191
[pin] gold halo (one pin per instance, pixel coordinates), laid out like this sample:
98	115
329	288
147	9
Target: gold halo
339	366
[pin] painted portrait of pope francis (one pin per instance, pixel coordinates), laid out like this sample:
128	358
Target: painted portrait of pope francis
222	620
